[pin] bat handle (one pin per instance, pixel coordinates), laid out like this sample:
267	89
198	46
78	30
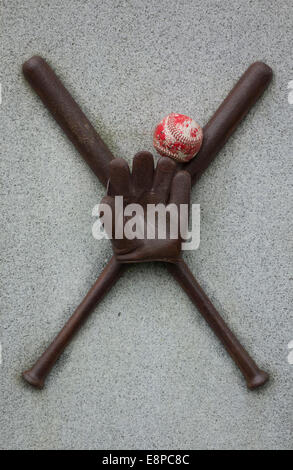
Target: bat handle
254	376
37	374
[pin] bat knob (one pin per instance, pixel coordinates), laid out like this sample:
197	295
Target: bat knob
258	380
33	379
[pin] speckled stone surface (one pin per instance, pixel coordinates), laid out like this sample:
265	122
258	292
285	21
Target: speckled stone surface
145	371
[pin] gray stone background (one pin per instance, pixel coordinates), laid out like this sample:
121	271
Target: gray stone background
146	371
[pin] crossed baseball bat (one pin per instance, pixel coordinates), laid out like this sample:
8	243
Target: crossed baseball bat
80	131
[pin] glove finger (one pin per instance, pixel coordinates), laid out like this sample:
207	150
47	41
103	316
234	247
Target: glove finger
180	188
162	179
180	195
120	178
142	172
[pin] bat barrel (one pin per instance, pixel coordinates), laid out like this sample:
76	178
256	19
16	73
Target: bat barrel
69	116
236	105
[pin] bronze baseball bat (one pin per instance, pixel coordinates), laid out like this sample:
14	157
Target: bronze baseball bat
245	93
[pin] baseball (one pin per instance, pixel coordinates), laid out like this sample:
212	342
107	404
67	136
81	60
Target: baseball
178	136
